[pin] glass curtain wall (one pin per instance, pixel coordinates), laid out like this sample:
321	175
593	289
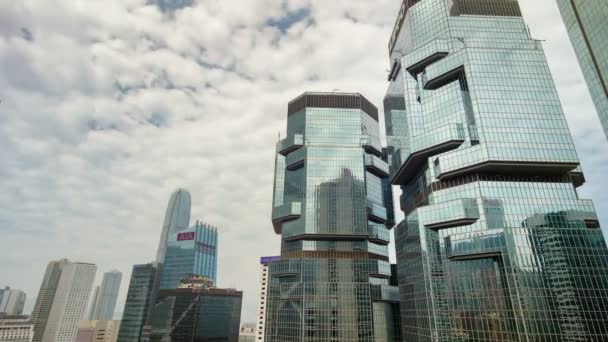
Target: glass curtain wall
333	209
496	244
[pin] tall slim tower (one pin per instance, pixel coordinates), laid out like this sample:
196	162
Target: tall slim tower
496	244
586	24
332	207
105	297
177	218
140	299
46	297
70	302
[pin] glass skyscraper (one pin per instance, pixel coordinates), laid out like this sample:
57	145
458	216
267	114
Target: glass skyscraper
177	218
140	300
496	244
333	209
586	24
196	313
104	300
190	251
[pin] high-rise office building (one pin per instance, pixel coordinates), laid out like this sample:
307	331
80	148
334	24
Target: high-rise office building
177	218
190	251
11	301
194	311
98	331
104	300
15	328
586	24
142	288
496	244
333	209
46	296
70	302
263	300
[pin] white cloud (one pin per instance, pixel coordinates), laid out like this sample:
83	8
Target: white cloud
113	104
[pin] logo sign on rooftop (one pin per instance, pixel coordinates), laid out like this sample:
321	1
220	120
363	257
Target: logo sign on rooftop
186	236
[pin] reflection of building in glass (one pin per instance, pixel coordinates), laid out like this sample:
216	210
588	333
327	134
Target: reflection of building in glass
332	206
190	251
586	24
479	144
196	313
142	288
104	299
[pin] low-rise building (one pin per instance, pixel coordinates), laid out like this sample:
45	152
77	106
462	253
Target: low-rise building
15	328
98	331
247	333
196	312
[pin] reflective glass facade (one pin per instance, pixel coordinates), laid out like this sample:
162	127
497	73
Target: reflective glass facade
186	314
586	24
333	208
190	251
496	245
177	218
137	306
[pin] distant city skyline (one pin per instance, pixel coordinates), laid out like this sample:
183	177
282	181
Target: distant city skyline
99	124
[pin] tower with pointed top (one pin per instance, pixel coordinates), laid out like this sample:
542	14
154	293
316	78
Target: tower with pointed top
177	218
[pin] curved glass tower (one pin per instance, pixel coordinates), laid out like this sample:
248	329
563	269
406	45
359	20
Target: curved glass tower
177	218
333	209
496	244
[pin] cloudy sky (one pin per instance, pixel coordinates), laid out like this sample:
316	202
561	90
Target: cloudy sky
107	106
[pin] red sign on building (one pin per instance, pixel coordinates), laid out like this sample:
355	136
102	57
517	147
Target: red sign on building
186	236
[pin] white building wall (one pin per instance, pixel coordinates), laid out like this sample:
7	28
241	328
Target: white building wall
261	309
70	302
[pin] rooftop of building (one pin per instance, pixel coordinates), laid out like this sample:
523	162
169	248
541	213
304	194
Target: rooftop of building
336	100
